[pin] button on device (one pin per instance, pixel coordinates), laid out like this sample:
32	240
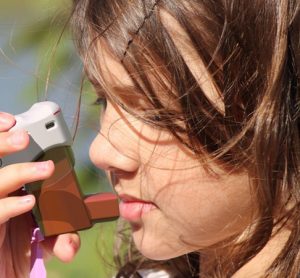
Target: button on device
50	125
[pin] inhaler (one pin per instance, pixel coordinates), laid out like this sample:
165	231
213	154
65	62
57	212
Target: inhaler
60	205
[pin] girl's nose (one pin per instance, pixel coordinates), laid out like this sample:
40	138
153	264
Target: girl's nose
111	146
106	156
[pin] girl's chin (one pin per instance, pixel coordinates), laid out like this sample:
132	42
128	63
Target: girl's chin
155	249
161	256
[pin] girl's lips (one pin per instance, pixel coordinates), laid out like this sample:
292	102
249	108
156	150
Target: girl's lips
133	210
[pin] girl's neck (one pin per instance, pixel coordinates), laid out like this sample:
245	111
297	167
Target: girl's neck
257	266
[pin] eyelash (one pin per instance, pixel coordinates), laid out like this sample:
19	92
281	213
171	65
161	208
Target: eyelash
101	101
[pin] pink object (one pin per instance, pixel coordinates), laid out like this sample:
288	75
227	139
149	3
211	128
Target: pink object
37	268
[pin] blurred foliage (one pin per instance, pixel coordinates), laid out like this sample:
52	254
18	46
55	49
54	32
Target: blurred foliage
41	29
95	258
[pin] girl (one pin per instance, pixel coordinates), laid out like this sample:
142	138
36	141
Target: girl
199	135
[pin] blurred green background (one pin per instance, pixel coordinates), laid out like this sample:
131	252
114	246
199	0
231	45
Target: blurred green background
38	62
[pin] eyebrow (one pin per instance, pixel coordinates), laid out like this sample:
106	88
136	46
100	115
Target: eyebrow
123	88
119	89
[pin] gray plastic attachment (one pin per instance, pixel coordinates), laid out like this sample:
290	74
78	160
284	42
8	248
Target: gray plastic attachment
47	129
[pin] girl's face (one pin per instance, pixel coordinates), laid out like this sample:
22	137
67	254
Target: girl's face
172	203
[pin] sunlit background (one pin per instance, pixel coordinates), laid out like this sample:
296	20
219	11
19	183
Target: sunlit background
38	62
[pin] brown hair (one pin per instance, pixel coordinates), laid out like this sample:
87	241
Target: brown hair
251	50
15	248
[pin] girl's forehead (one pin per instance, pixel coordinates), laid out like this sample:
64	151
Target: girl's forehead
113	73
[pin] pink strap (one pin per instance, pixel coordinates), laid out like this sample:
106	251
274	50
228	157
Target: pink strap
37	269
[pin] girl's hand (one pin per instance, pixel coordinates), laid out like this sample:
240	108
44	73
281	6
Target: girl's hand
13	177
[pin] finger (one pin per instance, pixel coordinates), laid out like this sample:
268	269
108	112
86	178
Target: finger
6	121
15	175
14	206
13	141
64	246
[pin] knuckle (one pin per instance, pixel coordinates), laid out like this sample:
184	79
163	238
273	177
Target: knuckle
20	168
16	172
7	121
4	211
23	171
4	148
9	146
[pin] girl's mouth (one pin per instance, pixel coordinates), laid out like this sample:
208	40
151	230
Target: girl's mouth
132	209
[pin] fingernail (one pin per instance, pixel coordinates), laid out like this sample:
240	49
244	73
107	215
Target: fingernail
25	200
17	138
5	118
42	166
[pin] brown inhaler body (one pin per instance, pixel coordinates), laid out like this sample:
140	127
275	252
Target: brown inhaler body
60	205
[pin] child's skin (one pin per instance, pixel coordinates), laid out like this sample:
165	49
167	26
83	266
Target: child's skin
183	202
14	176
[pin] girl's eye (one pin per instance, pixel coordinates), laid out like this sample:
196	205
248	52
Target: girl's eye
101	101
